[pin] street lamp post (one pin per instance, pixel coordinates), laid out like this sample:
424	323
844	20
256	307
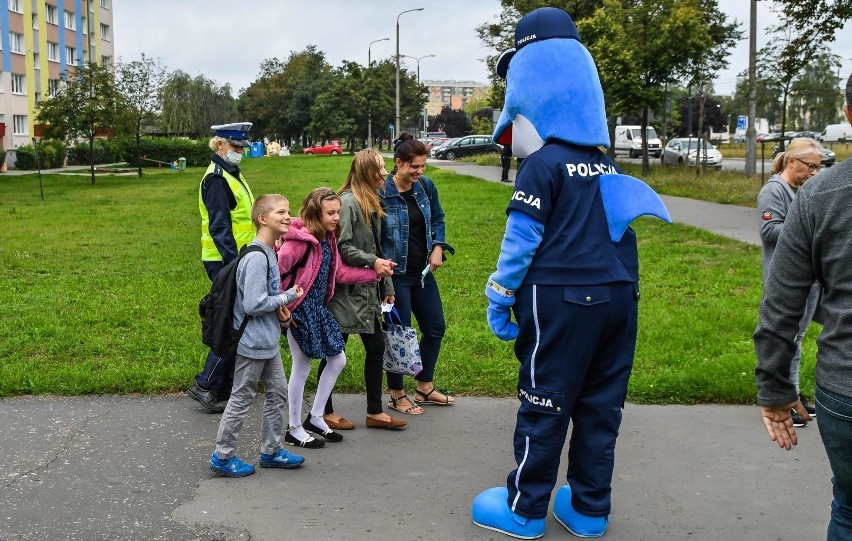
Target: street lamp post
418	59
396	119
369	114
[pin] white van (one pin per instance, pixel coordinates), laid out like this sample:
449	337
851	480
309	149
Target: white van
836	132
628	140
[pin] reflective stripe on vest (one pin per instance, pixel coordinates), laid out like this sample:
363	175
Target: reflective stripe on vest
241	226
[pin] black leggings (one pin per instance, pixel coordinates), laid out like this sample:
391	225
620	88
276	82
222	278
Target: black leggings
374	347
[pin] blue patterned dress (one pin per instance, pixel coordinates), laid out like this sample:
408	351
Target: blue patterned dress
318	333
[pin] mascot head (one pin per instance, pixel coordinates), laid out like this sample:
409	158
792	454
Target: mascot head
552	87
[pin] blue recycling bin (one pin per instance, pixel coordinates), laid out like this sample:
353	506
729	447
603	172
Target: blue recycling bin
257	149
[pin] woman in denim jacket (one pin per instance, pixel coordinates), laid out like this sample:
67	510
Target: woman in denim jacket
413	236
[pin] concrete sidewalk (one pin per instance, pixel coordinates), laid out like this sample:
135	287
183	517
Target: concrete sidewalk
135	468
732	221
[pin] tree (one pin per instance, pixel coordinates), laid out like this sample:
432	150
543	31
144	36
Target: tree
341	111
191	105
453	123
814	96
139	83
86	105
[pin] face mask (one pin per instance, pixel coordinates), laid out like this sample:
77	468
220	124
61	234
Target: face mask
234	157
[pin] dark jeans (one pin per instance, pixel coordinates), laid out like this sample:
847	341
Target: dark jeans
834	414
374	349
218	373
424	301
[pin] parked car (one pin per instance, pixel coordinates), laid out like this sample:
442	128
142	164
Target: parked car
468	145
331	148
439	144
834	133
805	133
828	156
686	150
628	139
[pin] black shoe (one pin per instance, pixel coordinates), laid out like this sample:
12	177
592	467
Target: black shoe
206	399
310	443
797	421
505	180
329	434
810	409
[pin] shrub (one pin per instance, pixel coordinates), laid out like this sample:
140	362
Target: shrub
25	158
296	148
197	153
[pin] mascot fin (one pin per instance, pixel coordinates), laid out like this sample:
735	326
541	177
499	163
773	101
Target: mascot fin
625	198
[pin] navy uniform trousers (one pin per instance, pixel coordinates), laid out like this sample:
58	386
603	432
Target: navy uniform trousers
576	347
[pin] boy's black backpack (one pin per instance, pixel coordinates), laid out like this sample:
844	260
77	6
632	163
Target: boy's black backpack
217	309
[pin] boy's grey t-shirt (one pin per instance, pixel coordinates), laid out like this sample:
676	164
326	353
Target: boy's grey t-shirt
258	294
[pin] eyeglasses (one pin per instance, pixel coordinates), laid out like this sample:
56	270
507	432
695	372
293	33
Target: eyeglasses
812	167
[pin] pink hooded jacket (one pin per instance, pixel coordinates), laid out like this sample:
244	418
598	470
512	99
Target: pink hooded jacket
299	240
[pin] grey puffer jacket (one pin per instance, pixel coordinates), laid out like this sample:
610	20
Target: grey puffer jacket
357	307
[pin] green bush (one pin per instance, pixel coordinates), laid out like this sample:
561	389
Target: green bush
105	151
296	149
58	150
197	153
25	158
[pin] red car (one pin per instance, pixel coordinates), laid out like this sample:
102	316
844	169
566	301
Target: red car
331	148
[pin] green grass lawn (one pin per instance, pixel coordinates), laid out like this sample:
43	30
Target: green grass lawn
101	285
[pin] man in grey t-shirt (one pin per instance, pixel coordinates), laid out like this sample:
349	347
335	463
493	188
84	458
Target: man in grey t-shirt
814	246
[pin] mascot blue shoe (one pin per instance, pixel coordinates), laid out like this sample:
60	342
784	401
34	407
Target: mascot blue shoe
491	511
576	523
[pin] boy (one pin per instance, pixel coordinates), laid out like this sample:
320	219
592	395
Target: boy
259	353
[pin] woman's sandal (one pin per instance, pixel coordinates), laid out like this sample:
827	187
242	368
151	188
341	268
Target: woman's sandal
410	410
426	400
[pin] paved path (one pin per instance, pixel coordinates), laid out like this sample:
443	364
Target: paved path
134	468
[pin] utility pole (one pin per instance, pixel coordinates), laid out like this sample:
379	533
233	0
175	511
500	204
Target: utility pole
751	132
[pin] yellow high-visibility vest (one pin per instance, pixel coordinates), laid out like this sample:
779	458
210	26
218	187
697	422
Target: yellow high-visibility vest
241	226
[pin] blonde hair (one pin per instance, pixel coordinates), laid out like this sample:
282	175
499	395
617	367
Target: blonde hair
264	204
798	148
311	210
214	143
364	176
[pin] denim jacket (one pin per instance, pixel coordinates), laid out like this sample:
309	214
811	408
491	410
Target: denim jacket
395	223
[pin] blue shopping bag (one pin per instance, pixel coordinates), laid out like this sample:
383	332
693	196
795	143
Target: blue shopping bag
402	349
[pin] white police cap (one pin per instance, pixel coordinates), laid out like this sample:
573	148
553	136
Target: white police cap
236	133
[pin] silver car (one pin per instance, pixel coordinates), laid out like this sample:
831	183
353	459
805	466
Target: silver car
691	151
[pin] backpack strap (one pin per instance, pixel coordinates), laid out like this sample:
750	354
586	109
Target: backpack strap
247	249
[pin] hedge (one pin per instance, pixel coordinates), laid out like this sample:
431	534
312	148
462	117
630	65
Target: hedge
51	155
197	153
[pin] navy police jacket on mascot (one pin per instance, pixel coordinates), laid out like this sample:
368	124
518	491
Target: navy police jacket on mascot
568	271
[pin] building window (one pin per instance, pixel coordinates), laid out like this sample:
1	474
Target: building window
70	21
19	84
35	21
106	61
105	32
19	125
16	6
52	87
52	14
70	55
104	3
52	51
16	43
36	59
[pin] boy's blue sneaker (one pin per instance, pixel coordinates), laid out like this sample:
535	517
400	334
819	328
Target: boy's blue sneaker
490	510
233	467
281	459
576	523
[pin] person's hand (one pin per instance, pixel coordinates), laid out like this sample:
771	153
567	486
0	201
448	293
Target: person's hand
284	317
389	299
383	267
297	289
500	322
278	242
779	423
436	258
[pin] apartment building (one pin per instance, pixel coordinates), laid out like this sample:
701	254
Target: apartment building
455	94
39	40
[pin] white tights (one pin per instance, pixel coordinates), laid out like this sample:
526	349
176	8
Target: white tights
296	388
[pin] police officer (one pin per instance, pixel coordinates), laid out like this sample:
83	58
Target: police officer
225	200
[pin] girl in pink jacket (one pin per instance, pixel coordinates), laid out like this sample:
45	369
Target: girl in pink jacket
310	252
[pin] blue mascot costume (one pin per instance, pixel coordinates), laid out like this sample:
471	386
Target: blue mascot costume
569	271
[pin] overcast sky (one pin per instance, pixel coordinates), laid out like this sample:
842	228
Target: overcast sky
226	41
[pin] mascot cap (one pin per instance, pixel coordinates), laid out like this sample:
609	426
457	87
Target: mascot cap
537	25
